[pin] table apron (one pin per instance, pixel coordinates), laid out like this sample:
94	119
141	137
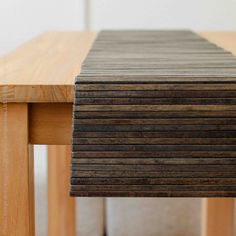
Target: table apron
50	123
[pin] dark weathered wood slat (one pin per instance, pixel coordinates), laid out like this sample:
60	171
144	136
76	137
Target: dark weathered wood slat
178	134
149	167
153	193
154	115
154	154
156	161
151	141
157	108
179	121
160	67
152	188
151	128
152	174
157	87
155	101
181	77
151	115
155	181
149	148
155	94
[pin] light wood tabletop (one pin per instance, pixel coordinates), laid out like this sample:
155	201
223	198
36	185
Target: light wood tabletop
36	95
44	69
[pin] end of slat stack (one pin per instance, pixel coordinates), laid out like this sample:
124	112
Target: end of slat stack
154	116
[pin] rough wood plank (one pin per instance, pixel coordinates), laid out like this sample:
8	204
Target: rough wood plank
152	167
152	174
155	94
159	114
156	148
150	188
150	87
156	108
179	121
212	194
96	136
149	154
155	101
152	128
156	161
163	141
155	181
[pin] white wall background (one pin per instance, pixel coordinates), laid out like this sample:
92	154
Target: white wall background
21	20
193	14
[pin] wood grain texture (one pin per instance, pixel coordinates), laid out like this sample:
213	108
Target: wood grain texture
39	80
61	208
152	174
17	172
31	73
50	123
154	105
176	194
155	57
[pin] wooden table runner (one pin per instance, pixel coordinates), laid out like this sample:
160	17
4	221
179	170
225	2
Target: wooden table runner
155	116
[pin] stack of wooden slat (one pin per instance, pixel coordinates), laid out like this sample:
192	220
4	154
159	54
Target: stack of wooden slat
155	115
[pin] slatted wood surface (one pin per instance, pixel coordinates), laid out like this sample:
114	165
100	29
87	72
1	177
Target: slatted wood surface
155	116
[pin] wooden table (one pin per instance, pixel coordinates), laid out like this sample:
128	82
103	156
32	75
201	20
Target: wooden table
36	94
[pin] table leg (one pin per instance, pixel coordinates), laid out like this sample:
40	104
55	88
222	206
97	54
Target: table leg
218	217
61	207
16	172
